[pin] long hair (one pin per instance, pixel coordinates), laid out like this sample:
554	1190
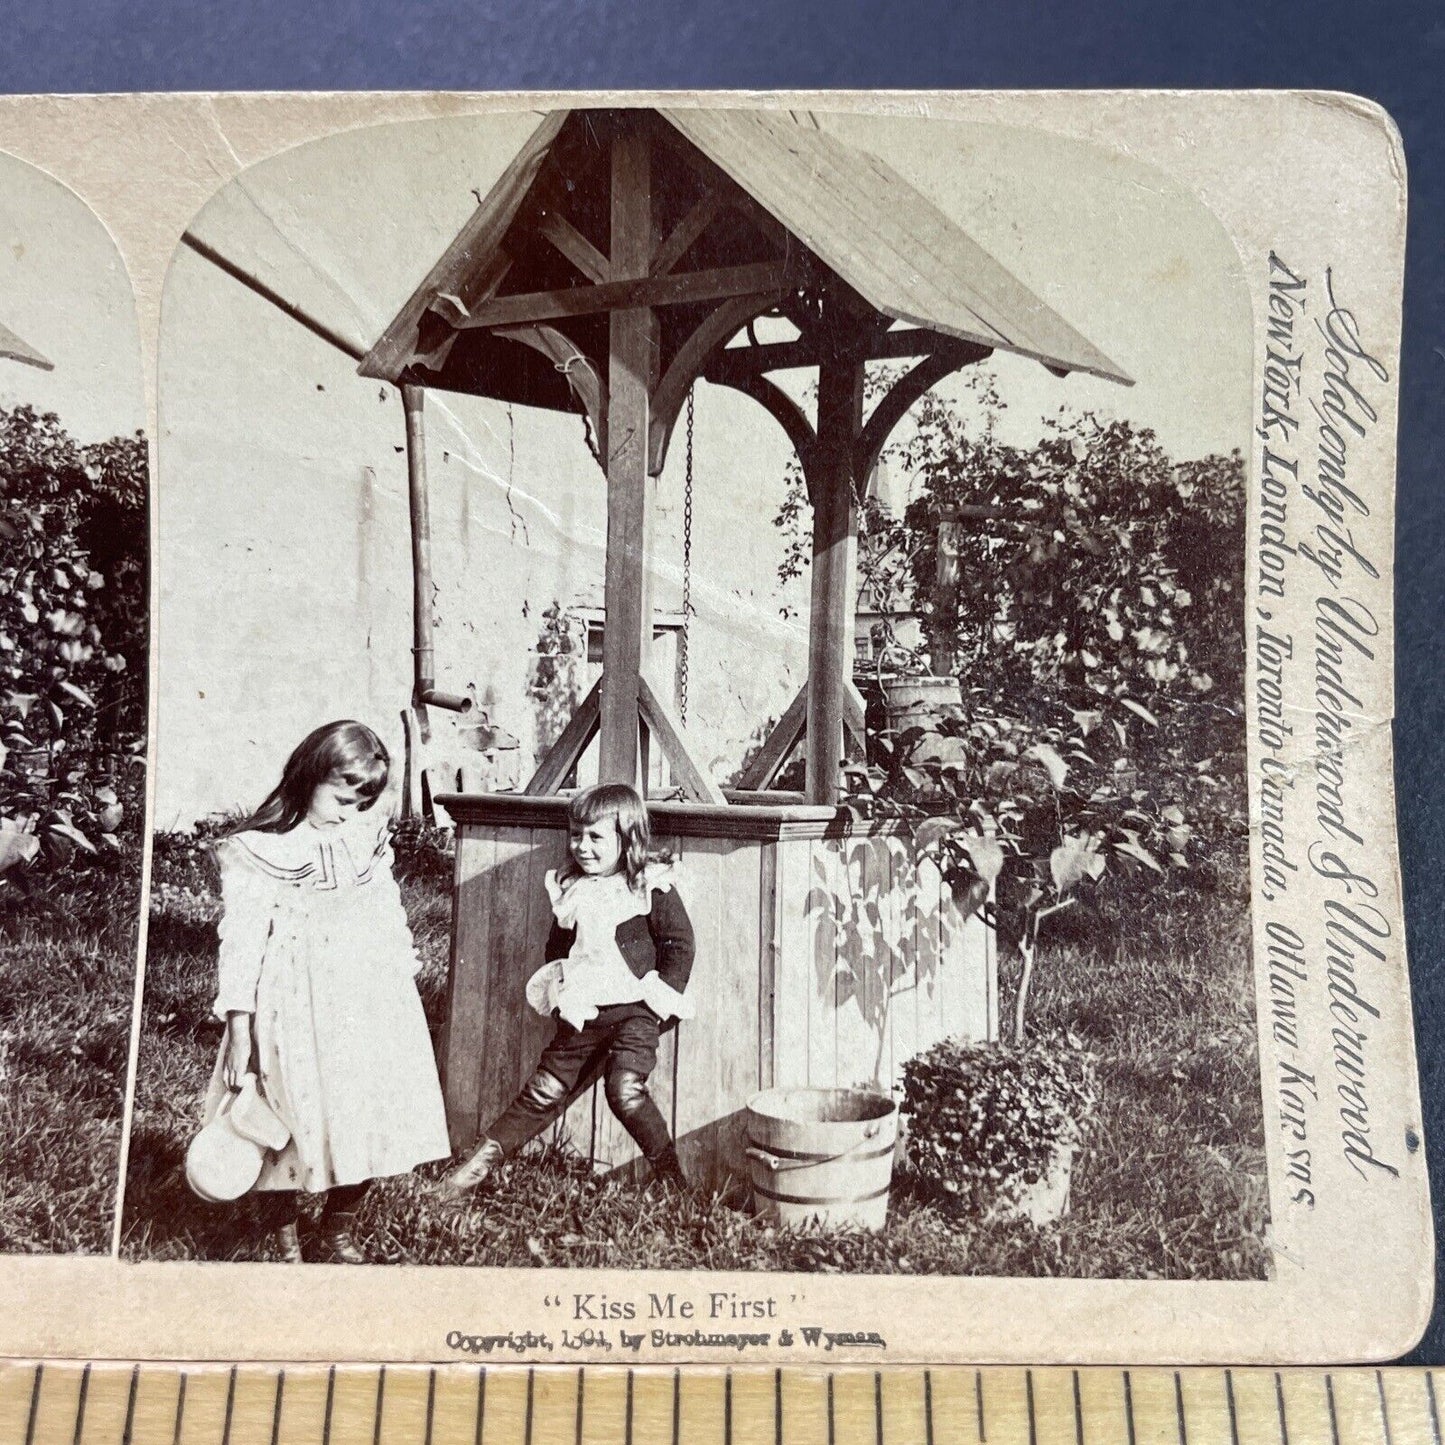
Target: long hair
627	810
348	751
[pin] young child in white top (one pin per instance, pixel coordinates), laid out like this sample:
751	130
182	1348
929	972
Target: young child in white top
317	987
619	956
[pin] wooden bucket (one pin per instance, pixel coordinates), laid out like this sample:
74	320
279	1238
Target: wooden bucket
920	701
822	1155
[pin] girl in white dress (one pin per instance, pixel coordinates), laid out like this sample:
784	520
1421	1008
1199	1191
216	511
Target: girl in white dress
318	991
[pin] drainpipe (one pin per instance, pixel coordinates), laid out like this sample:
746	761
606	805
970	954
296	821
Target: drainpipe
423	653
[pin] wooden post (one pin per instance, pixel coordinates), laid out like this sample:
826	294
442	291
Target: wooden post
424	667
835	529
424	689
629	371
944	621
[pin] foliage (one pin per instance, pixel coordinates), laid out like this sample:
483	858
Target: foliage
986	1120
424	851
1088	594
557	668
73	638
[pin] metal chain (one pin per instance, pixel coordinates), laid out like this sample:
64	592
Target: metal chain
682	647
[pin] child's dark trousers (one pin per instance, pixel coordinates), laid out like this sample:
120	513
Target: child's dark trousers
622	1040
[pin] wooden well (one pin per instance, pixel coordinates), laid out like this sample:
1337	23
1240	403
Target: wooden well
826	955
622	258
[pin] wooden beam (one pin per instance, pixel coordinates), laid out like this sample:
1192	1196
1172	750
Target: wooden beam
989	512
630	292
297	313
786	412
434	338
574	246
687	230
789	728
583	374
714	331
628	625
562	756
805	352
687	771
835	525
905	391
774	752
854	712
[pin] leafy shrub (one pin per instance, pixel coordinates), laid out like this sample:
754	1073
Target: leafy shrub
985	1120
73	638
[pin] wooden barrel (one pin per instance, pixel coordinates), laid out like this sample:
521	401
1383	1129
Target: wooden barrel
822	1155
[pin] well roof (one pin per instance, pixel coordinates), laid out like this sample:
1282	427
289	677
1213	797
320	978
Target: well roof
837	212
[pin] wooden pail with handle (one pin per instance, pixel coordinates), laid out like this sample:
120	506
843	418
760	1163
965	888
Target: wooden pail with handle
822	1155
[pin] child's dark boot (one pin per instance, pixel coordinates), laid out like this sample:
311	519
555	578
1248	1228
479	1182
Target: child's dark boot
667	1172
337	1241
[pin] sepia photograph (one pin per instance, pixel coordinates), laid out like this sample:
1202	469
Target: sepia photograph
74	635
701	707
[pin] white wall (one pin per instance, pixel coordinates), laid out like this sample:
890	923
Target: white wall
283	567
284	570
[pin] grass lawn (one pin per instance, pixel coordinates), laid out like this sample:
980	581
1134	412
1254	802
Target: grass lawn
67	977
1171	1184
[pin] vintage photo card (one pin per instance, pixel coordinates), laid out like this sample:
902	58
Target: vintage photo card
772	730
74	633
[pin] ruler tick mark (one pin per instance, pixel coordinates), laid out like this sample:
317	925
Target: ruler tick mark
330	1398
1078	1413
1279	1404
676	1406
481	1405
531	1384
431	1400
230	1407
1334	1419
831	1427
927	1408
1384	1407
34	1405
777	1407
1434	1408
1179	1410
80	1405
978	1399
276	1408
581	1386
1129	1407
128	1432
628	1435
1233	1413
380	1403
1029	1396
727	1408
180	1409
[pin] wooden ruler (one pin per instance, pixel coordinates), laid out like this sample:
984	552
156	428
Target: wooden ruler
116	1404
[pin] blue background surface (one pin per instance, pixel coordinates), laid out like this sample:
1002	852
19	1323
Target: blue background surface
1392	53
